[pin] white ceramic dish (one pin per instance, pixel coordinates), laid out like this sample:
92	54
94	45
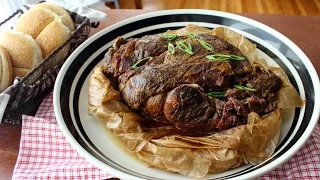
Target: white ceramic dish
99	146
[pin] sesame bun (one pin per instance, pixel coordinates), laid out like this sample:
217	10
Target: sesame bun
34	21
24	51
52	36
62	13
5	69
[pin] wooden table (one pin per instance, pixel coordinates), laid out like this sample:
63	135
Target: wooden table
303	30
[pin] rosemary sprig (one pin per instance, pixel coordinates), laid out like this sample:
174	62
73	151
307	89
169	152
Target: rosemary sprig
171	48
185	46
205	44
244	88
216	94
169	36
136	65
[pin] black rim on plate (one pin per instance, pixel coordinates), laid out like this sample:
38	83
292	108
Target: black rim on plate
150	21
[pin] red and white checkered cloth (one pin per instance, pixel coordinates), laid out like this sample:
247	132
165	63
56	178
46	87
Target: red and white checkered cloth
46	154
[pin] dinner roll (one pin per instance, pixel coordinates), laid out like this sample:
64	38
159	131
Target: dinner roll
62	13
19	72
37	33
24	51
5	69
34	21
52	36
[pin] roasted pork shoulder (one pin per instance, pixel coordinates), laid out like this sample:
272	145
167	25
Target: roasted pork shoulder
197	83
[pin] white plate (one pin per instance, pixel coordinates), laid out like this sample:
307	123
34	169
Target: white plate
98	145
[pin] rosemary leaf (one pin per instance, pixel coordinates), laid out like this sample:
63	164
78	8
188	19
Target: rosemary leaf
136	65
244	88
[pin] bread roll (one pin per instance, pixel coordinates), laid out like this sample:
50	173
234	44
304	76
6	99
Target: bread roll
52	36
24	51
19	72
37	33
5	69
34	21
62	13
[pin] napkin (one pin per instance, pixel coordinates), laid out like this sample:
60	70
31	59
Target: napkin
81	7
46	154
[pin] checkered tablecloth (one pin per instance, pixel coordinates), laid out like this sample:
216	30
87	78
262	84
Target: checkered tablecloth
46	154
